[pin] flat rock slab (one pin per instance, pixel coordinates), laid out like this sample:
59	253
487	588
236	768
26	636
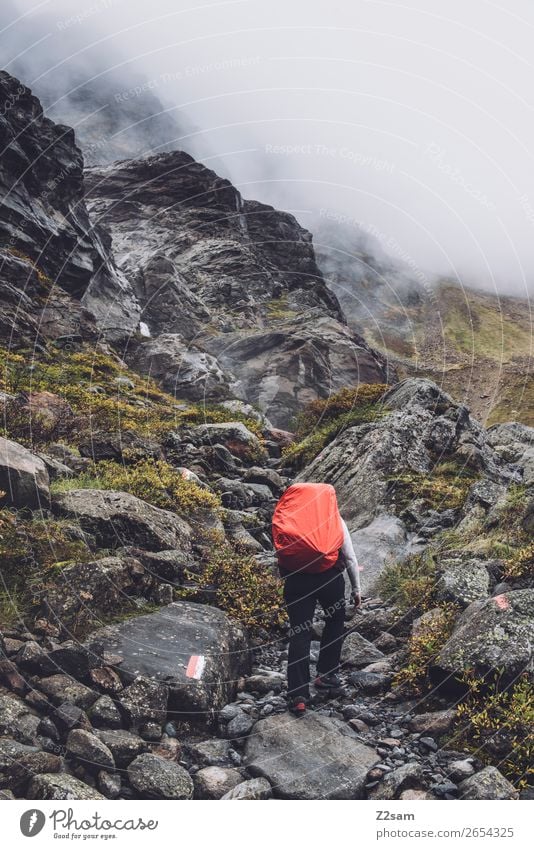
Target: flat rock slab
309	757
197	651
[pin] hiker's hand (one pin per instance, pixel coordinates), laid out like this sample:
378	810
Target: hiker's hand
355	598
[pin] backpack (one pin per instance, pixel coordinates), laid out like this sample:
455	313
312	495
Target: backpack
307	529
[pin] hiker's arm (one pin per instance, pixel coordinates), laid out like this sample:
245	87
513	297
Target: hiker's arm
351	561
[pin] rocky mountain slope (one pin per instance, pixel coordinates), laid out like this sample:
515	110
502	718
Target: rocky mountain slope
143	643
475	344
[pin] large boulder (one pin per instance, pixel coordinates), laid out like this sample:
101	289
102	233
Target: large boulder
424	425
514	442
383	540
489	783
118	519
494	635
196	651
463	581
155	778
60	786
24	480
85	592
309	757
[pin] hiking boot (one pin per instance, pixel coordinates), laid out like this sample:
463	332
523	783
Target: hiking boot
328	682
297	706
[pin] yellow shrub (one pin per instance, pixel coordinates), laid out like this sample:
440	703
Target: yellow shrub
424	645
240	586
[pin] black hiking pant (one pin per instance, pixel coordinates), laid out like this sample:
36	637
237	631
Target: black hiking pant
302	591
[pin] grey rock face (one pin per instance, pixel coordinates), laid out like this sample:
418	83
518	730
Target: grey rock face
23	477
463	581
208	265
491	635
514	442
308	758
118	518
156	778
489	783
60	786
124	745
407	776
43	213
194	650
185	370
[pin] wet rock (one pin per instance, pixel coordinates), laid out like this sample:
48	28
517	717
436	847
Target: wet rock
433	724
84	593
145	701
123	745
264	683
370	682
460	769
212	752
489	783
61	689
23	477
105	713
213	782
61	786
89	750
194	650
308	757
109	784
156	778
10	751
240	726
255	788
17	720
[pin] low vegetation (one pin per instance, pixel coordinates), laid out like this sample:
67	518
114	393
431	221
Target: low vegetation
154	481
233	580
409	585
424	645
103	394
324	419
446	486
31	549
497	725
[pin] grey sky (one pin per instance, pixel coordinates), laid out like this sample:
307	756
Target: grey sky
414	120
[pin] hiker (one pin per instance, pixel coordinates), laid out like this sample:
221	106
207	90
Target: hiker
314	550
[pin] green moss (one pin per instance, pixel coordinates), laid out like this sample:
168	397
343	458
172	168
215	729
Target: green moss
30	550
278	309
446	486
409	584
154	481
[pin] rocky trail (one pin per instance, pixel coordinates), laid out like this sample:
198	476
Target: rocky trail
159	334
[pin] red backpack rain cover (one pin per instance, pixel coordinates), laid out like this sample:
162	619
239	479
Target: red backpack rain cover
307	530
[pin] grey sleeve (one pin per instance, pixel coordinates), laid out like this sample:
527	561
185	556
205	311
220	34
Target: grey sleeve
351	561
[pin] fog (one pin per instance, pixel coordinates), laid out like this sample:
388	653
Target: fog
411	125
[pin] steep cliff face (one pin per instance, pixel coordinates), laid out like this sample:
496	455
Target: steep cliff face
234	279
43	217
